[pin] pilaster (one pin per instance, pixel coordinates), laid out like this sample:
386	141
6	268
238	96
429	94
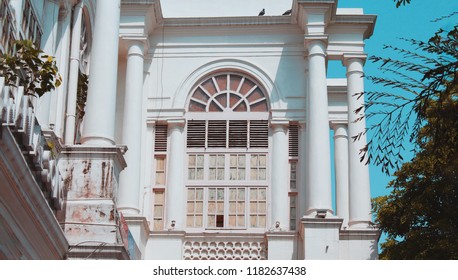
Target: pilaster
280	186
341	170
175	191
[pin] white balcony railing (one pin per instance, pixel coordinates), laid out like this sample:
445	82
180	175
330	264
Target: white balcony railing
17	114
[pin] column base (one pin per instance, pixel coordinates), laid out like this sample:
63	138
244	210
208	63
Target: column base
321	238
319	213
97	251
97	141
355	224
359	244
282	245
165	245
139	230
90	182
129	211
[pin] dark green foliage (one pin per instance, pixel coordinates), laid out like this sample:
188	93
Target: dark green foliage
420	215
81	95
31	68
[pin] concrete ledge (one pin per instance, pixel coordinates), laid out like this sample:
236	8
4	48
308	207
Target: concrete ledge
100	251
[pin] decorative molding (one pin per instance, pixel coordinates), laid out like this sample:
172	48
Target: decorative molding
116	152
227	21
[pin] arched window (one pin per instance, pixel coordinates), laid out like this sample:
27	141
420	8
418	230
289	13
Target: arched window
228	92
227	150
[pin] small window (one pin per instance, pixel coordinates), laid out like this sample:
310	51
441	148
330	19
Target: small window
158	209
258	207
216	169
195	207
160	170
258	167
292	210
292	175
196	167
237	167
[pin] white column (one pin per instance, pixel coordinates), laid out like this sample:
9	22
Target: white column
99	123
58	100
175	192
280	167
48	45
129	187
70	121
359	185
318	142
341	171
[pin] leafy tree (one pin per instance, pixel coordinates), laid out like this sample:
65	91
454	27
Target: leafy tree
31	68
420	215
422	76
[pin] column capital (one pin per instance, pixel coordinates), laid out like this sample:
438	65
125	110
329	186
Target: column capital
311	38
279	123
335	124
302	124
315	37
349	57
151	123
132	40
176	123
316	44
340	129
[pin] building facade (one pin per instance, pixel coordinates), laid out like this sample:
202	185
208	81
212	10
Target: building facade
205	133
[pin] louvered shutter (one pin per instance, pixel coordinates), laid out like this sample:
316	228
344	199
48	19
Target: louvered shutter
259	134
216	134
293	140
160	139
238	134
196	134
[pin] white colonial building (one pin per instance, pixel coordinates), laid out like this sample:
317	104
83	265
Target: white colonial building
206	132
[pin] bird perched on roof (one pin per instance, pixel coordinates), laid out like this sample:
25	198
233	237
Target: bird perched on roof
288	12
263	12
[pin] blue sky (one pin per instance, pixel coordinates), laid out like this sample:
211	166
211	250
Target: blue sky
411	21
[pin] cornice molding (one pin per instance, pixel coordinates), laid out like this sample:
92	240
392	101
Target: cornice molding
227	21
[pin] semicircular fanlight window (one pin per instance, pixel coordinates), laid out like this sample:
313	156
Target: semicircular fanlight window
228	92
